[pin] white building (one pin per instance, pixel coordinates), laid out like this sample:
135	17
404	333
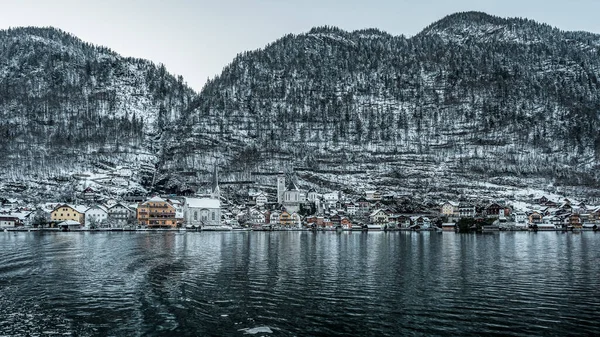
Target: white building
96	216
351	208
119	215
261	199
521	220
8	221
292	198
449	209
274	220
312	196
202	212
330	199
373	195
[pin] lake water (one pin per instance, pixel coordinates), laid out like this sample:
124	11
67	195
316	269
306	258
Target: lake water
299	283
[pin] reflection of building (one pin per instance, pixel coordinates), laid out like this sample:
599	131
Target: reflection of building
156	212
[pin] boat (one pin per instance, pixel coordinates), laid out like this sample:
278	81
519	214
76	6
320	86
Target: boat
358	227
374	227
220	228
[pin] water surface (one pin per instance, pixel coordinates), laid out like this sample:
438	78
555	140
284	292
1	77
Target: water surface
299	284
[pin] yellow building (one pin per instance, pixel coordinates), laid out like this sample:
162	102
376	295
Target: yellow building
66	212
156	213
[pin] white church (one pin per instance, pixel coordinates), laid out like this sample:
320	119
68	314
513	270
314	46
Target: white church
289	196
204	212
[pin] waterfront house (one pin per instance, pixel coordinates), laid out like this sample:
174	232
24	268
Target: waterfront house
423	222
379	217
96	216
535	217
466	210
257	217
119	215
274	218
520	219
66	212
336	220
494	210
403	221
156	213
285	219
346	223
575	221
8	221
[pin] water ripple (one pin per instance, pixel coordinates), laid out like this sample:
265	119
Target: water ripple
299	283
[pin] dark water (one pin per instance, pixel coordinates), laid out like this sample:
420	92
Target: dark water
299	283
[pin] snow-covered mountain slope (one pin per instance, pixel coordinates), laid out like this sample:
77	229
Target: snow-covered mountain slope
472	97
471	103
67	106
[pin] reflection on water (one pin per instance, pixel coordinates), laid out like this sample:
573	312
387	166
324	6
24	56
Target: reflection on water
299	283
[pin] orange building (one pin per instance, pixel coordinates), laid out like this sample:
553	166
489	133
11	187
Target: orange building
157	213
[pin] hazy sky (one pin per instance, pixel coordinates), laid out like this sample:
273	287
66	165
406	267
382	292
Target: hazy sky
197	39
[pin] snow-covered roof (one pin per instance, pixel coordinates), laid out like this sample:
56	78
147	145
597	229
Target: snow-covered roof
203	202
80	208
69	223
118	205
156	199
21	215
100	207
377	211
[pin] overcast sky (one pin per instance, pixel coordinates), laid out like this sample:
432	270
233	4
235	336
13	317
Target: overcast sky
198	38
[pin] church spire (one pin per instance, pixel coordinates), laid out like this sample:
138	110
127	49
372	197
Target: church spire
216	192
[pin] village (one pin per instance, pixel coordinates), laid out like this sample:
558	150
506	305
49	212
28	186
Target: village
290	208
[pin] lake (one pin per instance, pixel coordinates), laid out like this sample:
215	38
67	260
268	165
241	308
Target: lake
299	283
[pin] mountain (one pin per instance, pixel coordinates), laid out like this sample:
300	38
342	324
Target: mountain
67	107
472	99
473	104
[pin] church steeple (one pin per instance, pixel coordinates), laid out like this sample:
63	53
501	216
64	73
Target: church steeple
216	192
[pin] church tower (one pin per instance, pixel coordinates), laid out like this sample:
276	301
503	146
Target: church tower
280	187
216	192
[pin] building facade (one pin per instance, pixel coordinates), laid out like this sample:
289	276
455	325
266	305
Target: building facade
156	213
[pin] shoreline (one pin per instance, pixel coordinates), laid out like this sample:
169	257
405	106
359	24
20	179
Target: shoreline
176	230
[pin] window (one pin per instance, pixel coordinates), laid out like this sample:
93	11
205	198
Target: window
213	216
195	215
